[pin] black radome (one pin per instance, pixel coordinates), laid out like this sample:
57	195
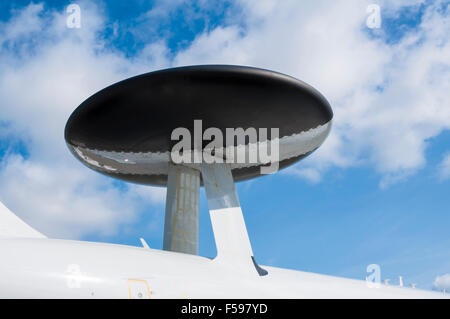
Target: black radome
125	129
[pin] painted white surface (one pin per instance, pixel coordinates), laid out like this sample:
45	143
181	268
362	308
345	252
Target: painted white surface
50	268
13	226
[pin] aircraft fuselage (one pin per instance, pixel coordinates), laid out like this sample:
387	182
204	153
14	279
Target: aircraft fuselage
51	268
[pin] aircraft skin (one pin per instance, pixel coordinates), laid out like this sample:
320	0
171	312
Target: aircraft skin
34	266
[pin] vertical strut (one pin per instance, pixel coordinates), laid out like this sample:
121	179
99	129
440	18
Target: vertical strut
230	233
182	202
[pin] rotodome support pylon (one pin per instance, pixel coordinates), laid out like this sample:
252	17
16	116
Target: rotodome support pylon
182	210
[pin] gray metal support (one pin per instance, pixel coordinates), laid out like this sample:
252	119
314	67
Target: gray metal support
182	207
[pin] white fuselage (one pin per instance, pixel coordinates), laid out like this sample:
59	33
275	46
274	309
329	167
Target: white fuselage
51	268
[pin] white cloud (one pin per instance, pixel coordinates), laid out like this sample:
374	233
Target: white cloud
22	24
387	99
442	282
46	70
63	201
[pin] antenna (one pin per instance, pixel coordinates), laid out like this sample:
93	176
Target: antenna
144	243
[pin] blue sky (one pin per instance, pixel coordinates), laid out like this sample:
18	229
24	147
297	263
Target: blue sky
376	192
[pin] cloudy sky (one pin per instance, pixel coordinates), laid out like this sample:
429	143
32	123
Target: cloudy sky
377	192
